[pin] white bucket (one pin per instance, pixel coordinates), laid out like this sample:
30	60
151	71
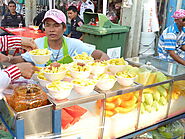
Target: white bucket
147	43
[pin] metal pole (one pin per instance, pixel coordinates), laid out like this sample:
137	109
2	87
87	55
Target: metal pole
104	7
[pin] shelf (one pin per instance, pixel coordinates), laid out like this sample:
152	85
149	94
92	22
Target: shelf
152	127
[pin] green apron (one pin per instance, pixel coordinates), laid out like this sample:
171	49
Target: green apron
66	59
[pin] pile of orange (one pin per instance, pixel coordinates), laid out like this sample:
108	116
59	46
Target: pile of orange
119	104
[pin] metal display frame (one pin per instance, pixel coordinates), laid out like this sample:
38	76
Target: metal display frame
99	94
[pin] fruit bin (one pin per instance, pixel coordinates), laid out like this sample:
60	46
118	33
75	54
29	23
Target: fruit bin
168	90
121	109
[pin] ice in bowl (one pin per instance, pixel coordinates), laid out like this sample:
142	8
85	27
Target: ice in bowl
53	73
80	70
84	86
105	81
59	89
40	56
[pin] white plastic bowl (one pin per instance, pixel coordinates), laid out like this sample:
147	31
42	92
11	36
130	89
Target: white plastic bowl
40	59
60	94
83	90
97	70
80	74
42	82
105	84
55	76
125	81
117	68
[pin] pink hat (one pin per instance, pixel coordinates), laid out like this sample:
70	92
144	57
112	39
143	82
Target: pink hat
57	15
179	14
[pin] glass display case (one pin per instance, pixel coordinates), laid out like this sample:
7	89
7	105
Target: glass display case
156	95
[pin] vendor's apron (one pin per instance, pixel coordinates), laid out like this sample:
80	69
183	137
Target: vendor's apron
66	59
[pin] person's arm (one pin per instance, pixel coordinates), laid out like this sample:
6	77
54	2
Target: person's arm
8	41
183	47
7	75
16	59
99	55
176	57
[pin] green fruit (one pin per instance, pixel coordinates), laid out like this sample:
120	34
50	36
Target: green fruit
163	101
167	135
160	78
155	105
142	109
162	91
148	98
156	95
148	108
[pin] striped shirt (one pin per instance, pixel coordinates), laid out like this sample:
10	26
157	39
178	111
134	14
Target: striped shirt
8	42
171	39
13	72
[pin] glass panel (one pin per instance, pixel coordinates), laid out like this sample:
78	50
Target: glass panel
177	105
154	106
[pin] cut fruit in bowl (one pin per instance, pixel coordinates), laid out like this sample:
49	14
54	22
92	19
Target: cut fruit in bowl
43	82
105	81
80	70
59	89
126	78
52	73
98	68
84	86
116	68
117	65
83	58
40	56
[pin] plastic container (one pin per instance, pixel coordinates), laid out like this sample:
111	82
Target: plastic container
27	97
105	35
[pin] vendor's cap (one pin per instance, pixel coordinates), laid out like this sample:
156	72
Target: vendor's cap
57	15
179	14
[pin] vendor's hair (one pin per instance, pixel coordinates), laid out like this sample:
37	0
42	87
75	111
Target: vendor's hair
73	8
11	2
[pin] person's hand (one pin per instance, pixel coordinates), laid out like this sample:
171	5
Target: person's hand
28	43
4	58
27	69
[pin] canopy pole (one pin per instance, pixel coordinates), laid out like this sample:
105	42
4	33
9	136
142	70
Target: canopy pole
104	7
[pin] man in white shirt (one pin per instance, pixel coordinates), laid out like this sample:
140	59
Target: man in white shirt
86	4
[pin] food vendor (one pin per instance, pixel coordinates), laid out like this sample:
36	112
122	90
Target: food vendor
13	72
61	46
171	46
12	18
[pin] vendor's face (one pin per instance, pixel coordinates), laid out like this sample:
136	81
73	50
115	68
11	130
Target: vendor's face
54	30
181	22
12	7
71	14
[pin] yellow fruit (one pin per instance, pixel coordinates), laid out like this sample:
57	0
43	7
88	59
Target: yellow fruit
109	113
109	106
110	99
129	102
124	110
127	96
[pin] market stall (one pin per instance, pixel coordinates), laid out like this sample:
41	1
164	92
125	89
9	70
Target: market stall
122	99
